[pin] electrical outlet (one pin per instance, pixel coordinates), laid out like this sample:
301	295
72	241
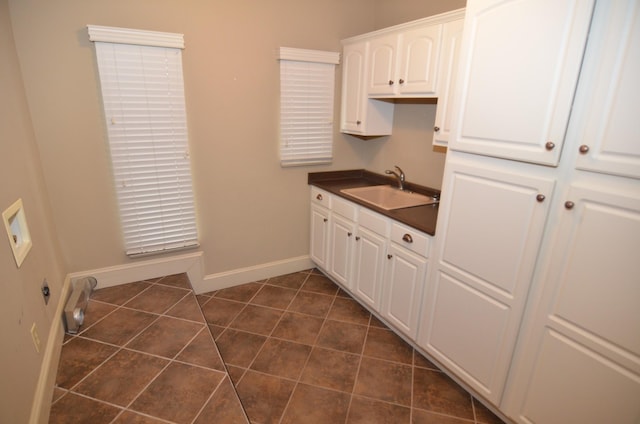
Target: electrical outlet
35	337
46	292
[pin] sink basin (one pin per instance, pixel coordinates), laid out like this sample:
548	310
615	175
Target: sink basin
387	197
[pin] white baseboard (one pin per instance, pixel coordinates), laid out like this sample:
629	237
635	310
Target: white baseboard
41	405
193	265
239	276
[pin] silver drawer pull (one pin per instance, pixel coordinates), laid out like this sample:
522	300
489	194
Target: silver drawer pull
407	238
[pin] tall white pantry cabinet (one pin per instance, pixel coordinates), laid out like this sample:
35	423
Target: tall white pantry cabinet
534	289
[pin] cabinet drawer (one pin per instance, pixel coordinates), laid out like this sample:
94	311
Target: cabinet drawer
320	197
374	222
410	239
344	208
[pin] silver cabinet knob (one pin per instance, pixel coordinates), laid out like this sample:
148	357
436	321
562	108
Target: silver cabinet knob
436	129
584	149
540	198
569	204
550	145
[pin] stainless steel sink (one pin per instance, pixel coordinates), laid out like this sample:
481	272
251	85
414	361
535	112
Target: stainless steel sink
388	198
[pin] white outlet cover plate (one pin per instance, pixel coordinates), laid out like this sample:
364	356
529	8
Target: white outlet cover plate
15	222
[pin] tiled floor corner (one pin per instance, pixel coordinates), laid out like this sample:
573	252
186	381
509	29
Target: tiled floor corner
296	349
144	355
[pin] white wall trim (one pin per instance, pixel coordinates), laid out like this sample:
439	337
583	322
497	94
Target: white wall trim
259	272
193	265
41	406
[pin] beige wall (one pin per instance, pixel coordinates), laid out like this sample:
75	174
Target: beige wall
393	12
250	210
21	303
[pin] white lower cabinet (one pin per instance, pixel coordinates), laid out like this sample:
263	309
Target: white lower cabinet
370	253
379	261
319	248
405	274
490	227
580	357
342	241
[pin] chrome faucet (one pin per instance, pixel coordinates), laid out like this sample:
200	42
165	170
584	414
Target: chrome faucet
399	176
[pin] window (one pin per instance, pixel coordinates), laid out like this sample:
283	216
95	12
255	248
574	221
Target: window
306	106
143	96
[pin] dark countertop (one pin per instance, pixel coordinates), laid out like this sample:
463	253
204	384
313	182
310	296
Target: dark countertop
421	218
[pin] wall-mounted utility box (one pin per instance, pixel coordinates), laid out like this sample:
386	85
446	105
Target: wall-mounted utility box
15	222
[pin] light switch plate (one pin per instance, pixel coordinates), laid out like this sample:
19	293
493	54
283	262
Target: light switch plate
15	222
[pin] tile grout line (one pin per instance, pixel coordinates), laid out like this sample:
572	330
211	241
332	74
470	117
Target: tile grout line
355	381
297	382
248	368
206	402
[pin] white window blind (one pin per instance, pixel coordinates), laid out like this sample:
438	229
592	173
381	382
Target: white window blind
143	96
306	106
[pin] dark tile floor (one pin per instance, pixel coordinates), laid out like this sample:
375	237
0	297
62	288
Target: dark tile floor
296	349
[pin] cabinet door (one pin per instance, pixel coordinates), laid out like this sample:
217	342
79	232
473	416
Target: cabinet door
448	66
319	236
341	249
382	65
403	285
490	227
370	252
359	114
418	61
353	95
518	73
610	92
580	359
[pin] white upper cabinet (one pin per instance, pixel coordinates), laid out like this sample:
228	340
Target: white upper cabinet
359	114
447	78
516	84
610	140
382	66
405	64
402	61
